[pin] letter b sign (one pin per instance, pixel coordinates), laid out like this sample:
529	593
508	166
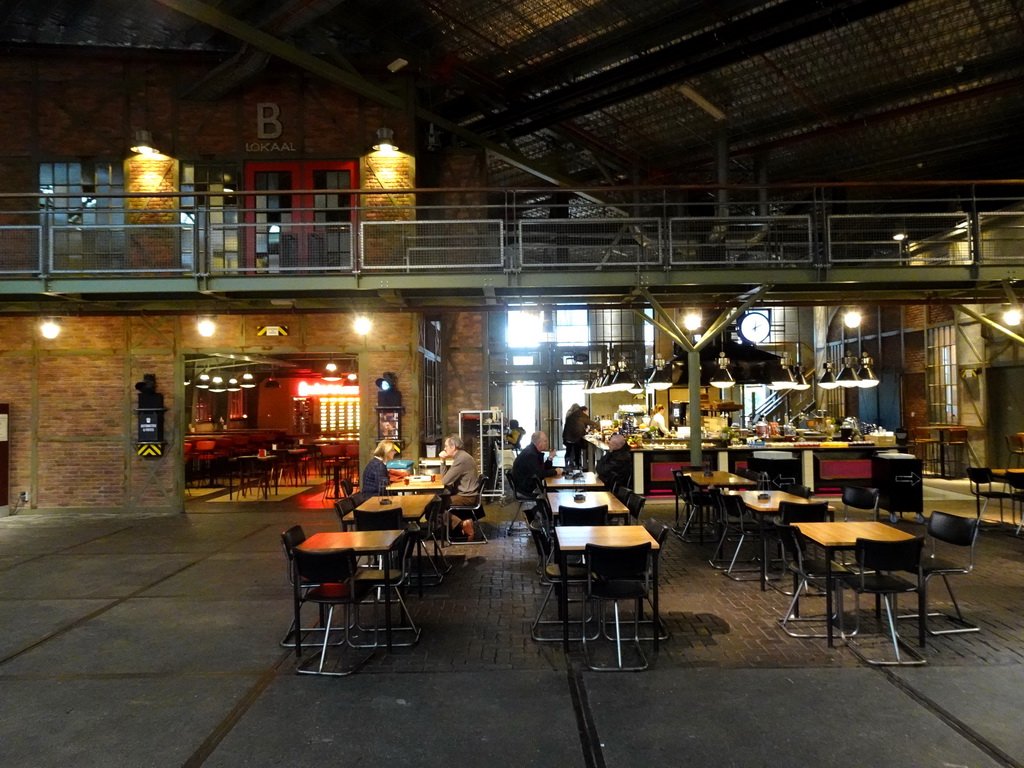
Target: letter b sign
267	124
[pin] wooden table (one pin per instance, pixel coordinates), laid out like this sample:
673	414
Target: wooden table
834	537
270	460
588	482
362	543
590	499
574	538
413	505
416	486
763	507
720	479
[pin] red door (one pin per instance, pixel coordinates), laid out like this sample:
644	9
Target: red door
311	231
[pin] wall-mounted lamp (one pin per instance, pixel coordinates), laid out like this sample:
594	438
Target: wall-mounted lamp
49	328
363	325
143	144
852	319
385	141
206	327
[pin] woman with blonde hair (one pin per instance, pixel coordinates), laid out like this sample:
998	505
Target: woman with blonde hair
376	476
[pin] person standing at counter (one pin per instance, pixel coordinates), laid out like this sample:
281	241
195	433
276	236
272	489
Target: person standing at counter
615	467
658	424
577	422
531	465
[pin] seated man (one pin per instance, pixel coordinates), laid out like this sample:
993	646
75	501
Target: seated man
531	465
460	480
615	467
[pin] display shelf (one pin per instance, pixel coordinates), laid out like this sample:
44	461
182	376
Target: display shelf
483	434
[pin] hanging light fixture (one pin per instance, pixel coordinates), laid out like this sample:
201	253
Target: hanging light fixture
848	377
271	383
866	373
783	378
331	372
233	385
661	377
636	387
722	378
203	382
620	380
248	381
142	144
217	384
827	380
800	378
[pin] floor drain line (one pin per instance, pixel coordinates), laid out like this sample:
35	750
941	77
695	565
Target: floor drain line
593	757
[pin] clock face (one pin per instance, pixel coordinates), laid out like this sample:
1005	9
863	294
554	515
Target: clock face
755	327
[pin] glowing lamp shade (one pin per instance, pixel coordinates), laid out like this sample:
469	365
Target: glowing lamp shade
852	319
1010	316
50	329
363	325
248	381
828	378
206	327
692	321
331	372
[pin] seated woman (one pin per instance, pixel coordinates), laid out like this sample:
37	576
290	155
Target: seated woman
376	475
514	436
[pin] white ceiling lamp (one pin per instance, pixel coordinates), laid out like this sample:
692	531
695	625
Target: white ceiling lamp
234	385
852	319
203	382
783	378
800	378
827	380
248	381
331	372
661	375
722	378
142	144
363	326
692	321
217	384
206	327
866	373
1011	316
848	377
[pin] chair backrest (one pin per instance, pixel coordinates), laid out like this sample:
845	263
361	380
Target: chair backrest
583	515
792	512
953	529
732	505
542	512
979	476
343	506
792	545
859	497
622	493
619	563
332	450
333	566
798	490
657	530
384	520
541	541
903	555
290	539
635	504
1015	480
921	434
205	445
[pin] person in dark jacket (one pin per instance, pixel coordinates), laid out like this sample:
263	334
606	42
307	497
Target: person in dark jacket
615	467
531	464
577	422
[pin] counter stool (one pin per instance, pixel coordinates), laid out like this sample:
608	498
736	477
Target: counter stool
1014	449
952	452
925	447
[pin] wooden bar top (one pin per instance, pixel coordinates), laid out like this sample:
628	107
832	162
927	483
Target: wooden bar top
842	535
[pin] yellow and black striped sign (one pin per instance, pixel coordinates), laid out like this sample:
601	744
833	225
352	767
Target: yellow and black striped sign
272	330
150	449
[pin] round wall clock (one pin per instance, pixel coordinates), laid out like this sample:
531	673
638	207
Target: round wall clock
755	327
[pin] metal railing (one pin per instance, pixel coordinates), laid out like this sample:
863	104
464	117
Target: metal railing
499	231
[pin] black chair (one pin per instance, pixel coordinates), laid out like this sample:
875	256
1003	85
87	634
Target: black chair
859	497
384	520
621	492
343	507
737	525
521	497
472	512
583	515
982	480
421	535
701	505
553	578
954	531
290	539
614	574
807	572
635	504
793	512
879	563
391	574
334	573
798	490
659	532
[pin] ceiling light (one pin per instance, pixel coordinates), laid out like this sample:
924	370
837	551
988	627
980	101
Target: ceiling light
385	141
206	327
49	328
352	377
899	237
248	381
363	325
828	378
233	385
397	64
271	383
801	378
661	375
691	322
1010	317
143	144
216	384
331	372
636	387
722	378
783	378
620	380
848	377
852	319
866	373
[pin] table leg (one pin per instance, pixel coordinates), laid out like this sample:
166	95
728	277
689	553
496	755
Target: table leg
829	587
654	603
387	600
563	598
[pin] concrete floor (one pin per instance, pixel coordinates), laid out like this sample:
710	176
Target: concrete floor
154	642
